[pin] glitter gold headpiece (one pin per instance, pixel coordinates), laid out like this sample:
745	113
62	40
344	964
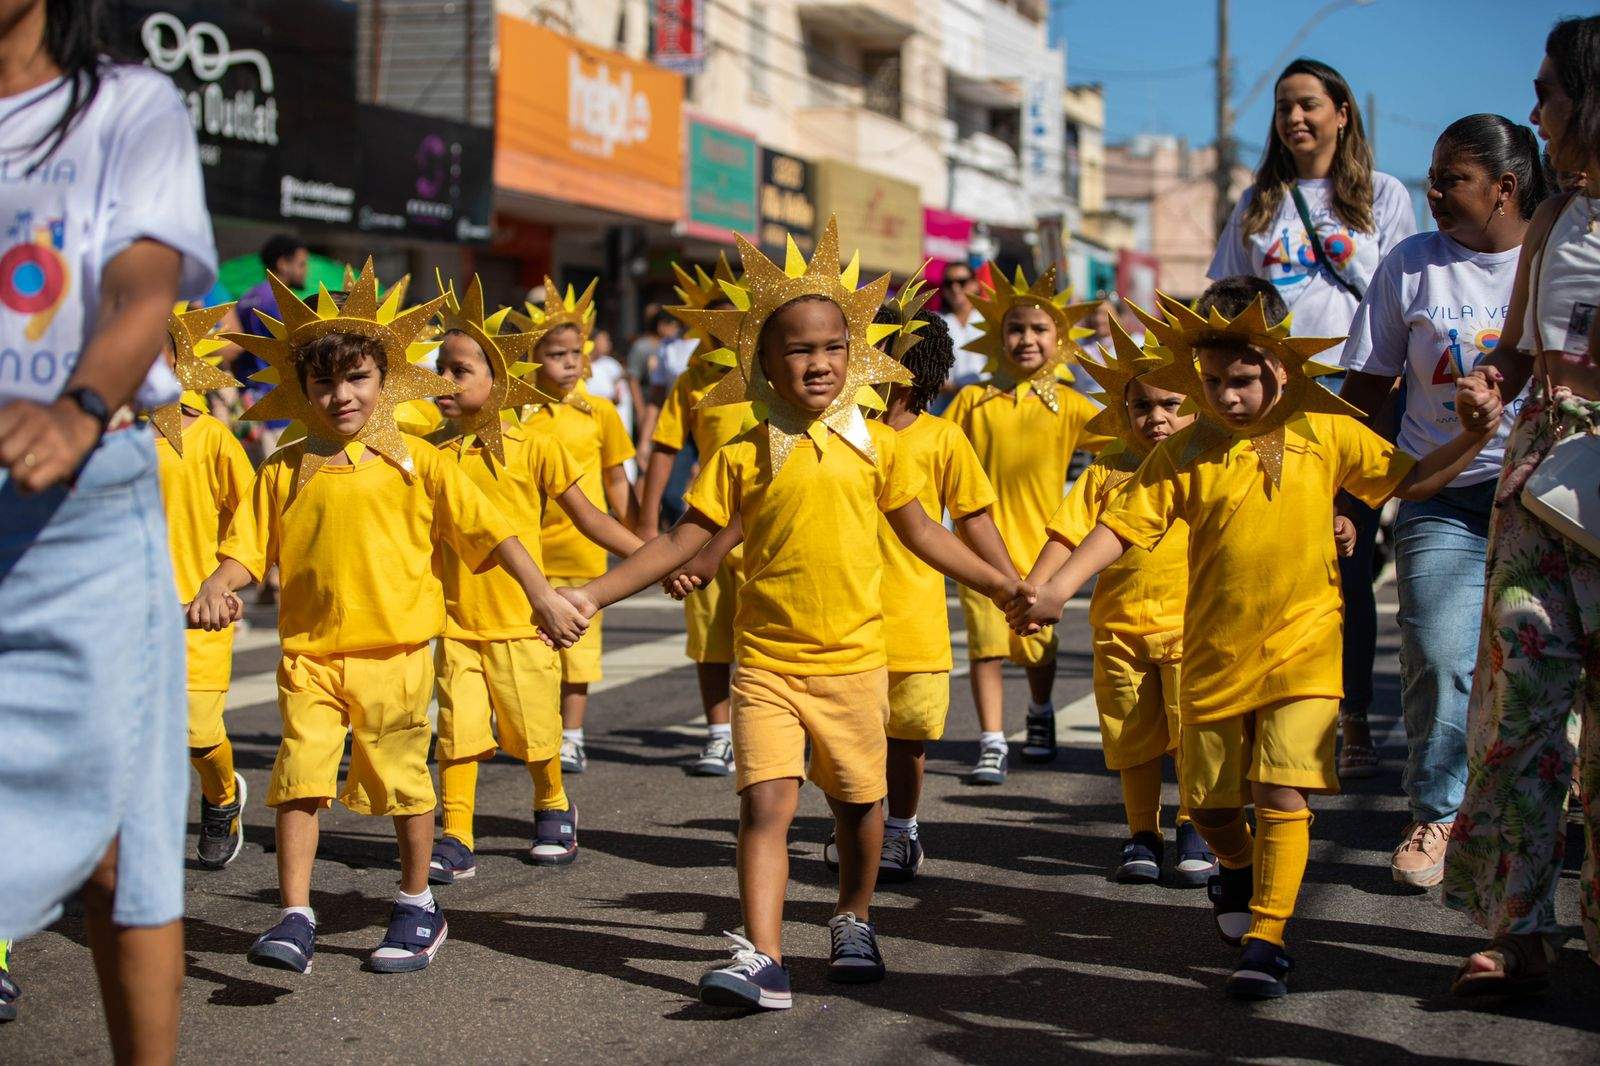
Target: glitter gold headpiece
364	314
905	306
192	348
698	290
766	288
1004	295
1180	329
1123	362
505	352
560	310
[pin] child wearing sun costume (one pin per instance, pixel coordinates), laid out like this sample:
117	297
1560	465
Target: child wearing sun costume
355	537
1254	480
1024	423
204	477
491	664
590	428
805	486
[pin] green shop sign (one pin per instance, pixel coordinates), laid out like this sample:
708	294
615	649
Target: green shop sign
724	170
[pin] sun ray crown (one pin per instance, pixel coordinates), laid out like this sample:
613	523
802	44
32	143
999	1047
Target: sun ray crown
1004	294
193	348
510	357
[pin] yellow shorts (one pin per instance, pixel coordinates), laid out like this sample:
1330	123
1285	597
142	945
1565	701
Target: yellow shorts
209	657
381	698
580	664
989	637
918	705
518	682
1287	743
1136	692
708	615
205	718
842	715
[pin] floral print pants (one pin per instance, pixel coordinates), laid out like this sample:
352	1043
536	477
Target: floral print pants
1537	674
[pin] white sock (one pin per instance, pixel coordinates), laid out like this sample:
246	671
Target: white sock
574	735
1041	708
305	912
423	899
720	730
996	739
901	826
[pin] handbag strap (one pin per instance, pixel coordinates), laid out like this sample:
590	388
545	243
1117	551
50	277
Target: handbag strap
1534	284
1317	251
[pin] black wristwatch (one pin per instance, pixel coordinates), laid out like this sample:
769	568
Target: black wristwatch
91	403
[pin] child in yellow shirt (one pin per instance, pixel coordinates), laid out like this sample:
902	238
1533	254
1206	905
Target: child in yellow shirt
589	427
805	487
1136	612
1024	422
490	662
1254	479
354	537
204	477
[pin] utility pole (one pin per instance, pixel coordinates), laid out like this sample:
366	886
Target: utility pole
1223	177
1371	124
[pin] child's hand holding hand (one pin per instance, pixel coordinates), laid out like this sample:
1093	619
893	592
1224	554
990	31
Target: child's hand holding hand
1027	617
563	616
214	607
682	585
1015	590
1344	536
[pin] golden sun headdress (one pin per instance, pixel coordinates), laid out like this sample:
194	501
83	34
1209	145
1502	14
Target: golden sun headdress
1002	297
563	309
1180	329
1122	363
697	291
505	352
192	345
766	288
362	313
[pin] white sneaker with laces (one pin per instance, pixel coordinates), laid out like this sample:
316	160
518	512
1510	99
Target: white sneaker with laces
573	758
991	767
716	759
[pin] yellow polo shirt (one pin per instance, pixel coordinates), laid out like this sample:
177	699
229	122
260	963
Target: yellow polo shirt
597	439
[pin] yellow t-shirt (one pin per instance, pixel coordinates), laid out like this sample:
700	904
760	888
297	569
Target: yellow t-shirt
916	623
1025	448
598	440
201	489
490	605
1264	616
709	427
1141	593
810	602
355	546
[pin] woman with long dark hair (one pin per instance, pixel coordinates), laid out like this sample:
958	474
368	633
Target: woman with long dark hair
1436	307
1537	663
107	228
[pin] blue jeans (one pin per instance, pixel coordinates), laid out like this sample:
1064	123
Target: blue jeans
92	705
1360	606
1439	559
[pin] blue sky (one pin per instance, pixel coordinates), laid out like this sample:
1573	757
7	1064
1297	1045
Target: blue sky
1428	62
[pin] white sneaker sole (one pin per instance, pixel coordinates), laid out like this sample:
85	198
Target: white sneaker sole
1425	878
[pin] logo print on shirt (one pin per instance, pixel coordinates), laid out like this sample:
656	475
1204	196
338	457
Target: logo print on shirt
33	275
1297	266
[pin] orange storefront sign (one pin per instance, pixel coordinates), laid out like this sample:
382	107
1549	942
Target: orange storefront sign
584	125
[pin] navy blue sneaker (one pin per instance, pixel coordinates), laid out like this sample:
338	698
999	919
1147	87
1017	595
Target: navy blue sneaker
1196	864
555	836
752	980
9	991
1261	972
901	858
414	938
853	956
1040	742
1230	892
288	945
452	861
221	834
1140	863
990	768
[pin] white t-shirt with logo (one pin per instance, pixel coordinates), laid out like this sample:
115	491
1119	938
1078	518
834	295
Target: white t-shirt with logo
128	170
968	367
1282	253
1434	310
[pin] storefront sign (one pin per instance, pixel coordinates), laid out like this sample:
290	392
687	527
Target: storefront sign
424	177
788	203
877	214
946	238
677	35
583	125
722	182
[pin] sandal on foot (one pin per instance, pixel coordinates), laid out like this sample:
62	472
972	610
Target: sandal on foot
1521	967
1358	761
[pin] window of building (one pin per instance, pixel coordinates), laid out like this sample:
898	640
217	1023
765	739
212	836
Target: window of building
881	81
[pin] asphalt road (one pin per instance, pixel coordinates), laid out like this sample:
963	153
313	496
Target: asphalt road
1012	946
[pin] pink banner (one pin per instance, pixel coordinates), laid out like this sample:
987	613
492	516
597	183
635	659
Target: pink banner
945	237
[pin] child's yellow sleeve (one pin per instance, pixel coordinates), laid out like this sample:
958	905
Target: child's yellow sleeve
1370	468
715	491
251	539
234	473
616	447
965	488
554	468
901	481
672	423
1145	508
1080	511
463	516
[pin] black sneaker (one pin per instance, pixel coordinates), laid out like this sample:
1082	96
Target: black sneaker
1140	863
901	859
1261	972
9	991
716	759
414	938
751	980
1230	891
221	834
451	861
555	836
1195	863
1040	745
853	956
990	769
288	945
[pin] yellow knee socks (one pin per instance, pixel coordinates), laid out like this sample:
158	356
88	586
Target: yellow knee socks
215	767
1141	797
458	795
1230	842
1283	842
548	793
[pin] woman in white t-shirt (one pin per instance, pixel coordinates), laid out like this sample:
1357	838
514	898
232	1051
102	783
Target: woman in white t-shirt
1437	305
106	227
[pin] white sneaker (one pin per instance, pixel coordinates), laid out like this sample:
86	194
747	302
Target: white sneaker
573	758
